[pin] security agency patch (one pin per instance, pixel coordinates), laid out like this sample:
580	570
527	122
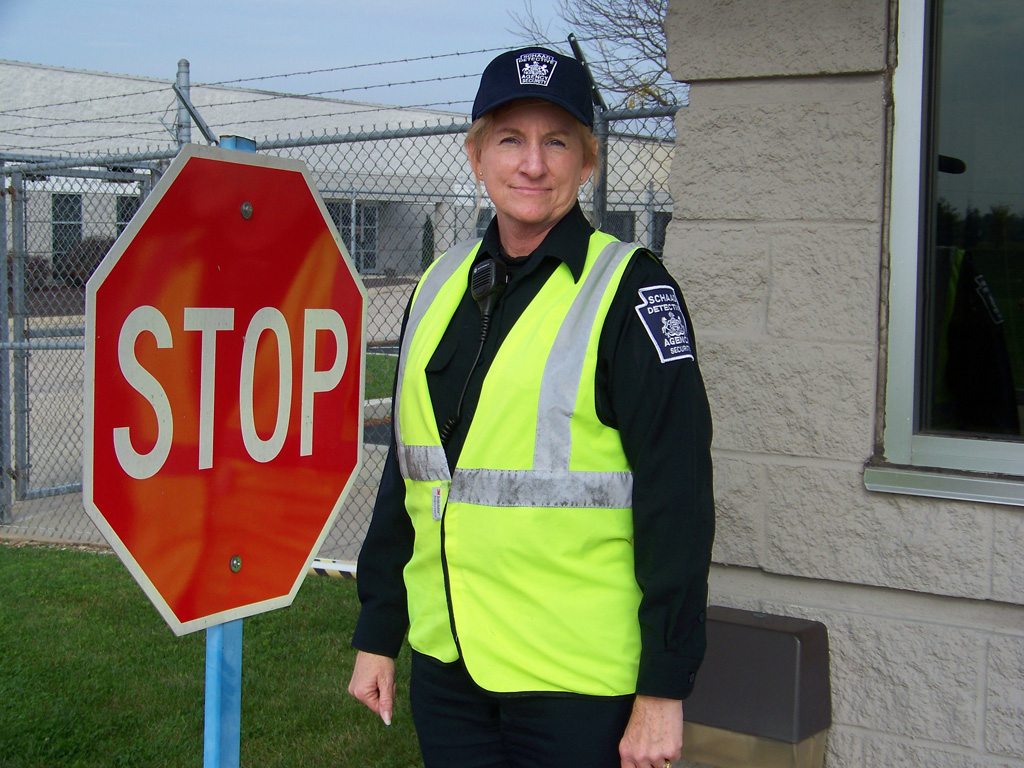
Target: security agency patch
663	317
535	68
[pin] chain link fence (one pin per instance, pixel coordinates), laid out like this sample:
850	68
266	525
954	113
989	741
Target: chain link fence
398	197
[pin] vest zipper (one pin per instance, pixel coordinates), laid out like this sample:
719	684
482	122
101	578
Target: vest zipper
447	582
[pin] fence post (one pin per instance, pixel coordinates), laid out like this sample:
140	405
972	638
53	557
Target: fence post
649	214
183	124
19	470
6	498
601	186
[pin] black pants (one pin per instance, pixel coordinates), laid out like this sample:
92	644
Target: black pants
459	725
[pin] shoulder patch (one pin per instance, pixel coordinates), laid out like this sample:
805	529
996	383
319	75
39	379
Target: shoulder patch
663	317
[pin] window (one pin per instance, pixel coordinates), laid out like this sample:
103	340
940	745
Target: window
66	215
127	207
66	223
620	224
955	383
357	224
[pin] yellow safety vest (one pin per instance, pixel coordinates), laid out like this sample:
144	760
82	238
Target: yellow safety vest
526	550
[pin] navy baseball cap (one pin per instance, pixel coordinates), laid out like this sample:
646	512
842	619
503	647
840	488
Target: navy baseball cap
536	73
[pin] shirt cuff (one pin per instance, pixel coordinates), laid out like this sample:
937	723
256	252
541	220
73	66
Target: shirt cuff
382	635
666	675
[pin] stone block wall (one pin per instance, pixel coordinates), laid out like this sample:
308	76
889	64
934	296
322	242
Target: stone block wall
778	239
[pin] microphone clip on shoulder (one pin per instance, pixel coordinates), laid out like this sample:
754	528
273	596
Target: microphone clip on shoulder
487	284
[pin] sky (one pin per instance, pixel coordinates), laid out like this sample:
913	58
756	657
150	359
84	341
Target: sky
225	40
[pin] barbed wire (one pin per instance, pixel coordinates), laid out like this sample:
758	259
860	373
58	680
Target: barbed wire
81	140
326	70
261	96
66	140
138	124
261	78
79	102
347	110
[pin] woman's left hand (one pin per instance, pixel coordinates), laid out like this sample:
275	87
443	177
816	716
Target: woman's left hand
654	735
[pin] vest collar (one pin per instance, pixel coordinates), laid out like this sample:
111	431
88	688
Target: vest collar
568	242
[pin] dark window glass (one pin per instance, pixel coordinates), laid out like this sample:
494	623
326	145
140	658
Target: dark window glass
971	360
66	215
127	206
661	220
620	224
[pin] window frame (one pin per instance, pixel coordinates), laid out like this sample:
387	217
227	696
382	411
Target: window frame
979	469
365	259
363	255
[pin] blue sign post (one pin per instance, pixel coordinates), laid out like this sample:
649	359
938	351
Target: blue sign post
222	730
223	723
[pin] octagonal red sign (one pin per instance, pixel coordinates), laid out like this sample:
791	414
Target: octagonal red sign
224	386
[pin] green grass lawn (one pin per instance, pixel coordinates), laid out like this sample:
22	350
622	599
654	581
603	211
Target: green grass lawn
380	375
92	676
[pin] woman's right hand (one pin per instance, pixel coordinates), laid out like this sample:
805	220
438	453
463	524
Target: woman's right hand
373	683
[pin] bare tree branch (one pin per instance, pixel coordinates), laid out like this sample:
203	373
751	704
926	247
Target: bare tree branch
624	41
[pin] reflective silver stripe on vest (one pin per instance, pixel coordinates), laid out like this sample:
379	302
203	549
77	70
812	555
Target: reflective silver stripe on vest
550	483
425	462
564	367
542	488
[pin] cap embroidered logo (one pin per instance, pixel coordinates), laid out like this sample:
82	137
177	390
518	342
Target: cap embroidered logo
535	68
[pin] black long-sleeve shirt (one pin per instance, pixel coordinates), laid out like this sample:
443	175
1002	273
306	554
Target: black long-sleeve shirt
661	412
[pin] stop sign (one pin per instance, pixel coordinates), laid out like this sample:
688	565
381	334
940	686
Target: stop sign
223	386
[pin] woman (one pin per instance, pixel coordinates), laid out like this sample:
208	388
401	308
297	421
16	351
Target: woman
544	522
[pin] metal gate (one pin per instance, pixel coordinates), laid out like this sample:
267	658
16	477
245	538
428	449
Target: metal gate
399	197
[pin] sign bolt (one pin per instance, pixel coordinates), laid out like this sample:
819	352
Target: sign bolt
236	564
247	210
